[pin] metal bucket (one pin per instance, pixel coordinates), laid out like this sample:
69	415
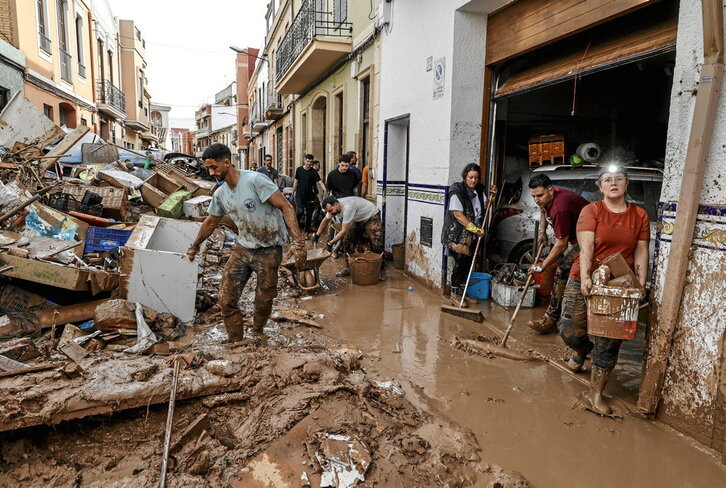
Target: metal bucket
399	252
365	268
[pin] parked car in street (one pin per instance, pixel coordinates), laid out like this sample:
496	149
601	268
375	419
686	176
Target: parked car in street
512	231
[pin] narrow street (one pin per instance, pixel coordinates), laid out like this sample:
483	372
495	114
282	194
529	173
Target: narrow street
523	414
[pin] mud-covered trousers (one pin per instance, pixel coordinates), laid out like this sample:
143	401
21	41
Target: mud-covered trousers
573	330
372	229
265	263
460	271
564	265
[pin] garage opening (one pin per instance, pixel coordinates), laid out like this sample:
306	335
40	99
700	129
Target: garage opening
599	96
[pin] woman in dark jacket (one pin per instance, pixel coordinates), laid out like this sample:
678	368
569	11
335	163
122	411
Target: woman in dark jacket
462	226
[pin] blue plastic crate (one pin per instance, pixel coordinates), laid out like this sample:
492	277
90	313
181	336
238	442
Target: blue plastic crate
101	239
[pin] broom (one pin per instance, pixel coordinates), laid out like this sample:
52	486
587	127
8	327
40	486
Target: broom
460	311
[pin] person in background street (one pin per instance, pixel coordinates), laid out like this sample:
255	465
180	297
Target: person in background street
360	219
354	164
307	180
268	170
265	220
609	226
364	182
284	181
462	226
253	167
316	165
562	208
342	181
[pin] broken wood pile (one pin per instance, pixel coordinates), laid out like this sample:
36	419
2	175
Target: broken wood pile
80	223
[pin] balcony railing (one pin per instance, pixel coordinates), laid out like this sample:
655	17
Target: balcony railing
81	70
44	42
315	18
274	101
65	66
110	95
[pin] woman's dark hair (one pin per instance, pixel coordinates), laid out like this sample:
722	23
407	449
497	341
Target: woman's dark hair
470	167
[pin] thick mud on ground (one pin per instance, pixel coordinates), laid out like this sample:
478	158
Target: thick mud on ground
297	411
524	415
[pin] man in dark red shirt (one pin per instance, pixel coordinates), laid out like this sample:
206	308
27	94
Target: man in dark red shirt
562	208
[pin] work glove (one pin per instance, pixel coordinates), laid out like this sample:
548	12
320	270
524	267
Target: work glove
534	269
329	247
192	252
315	238
474	229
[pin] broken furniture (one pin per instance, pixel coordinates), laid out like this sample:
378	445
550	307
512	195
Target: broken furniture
155	270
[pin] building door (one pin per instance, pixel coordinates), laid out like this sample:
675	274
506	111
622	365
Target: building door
395	181
319	130
278	149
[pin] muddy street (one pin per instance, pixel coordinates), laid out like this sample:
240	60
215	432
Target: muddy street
524	414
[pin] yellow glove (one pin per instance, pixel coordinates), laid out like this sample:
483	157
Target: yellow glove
472	228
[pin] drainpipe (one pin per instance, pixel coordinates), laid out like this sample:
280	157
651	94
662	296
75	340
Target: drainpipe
693	172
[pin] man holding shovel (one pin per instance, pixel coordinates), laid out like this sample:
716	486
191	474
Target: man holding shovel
562	208
265	221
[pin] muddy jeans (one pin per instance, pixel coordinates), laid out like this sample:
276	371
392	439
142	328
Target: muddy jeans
460	272
265	262
573	330
564	265
372	229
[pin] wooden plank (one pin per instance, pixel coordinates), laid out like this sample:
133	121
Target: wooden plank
30	369
699	143
66	277
650	39
529	24
63	146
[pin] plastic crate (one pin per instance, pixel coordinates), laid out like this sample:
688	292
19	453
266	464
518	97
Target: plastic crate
102	239
65	202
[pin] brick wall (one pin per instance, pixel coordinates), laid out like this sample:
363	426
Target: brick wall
8	24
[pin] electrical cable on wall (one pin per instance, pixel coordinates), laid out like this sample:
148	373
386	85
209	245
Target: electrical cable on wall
577	76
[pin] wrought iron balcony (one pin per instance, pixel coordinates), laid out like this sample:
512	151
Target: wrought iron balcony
316	19
44	43
111	100
65	66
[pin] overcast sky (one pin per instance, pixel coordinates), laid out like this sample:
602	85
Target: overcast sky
187	47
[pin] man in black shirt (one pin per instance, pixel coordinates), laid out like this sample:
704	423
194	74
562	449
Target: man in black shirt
306	200
342	182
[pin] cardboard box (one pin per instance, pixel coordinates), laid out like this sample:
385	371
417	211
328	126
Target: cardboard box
45	273
619	268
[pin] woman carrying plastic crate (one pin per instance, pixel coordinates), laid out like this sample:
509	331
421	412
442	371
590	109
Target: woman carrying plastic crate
606	227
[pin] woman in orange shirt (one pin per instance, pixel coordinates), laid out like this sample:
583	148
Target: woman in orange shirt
606	227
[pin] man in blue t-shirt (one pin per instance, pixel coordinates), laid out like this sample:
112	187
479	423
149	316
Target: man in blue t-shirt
265	220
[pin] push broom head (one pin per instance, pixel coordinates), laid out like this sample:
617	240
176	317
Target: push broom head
464	313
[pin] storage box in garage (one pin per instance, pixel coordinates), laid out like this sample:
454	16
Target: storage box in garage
508	295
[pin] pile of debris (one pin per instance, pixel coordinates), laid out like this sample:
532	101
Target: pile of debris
96	300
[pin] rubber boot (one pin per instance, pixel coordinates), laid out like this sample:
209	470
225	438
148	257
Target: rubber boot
575	363
544	325
235	328
598	380
382	276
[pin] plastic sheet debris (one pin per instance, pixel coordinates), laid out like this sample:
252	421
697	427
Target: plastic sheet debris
145	338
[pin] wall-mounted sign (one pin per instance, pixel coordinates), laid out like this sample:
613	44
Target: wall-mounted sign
427	231
439	77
